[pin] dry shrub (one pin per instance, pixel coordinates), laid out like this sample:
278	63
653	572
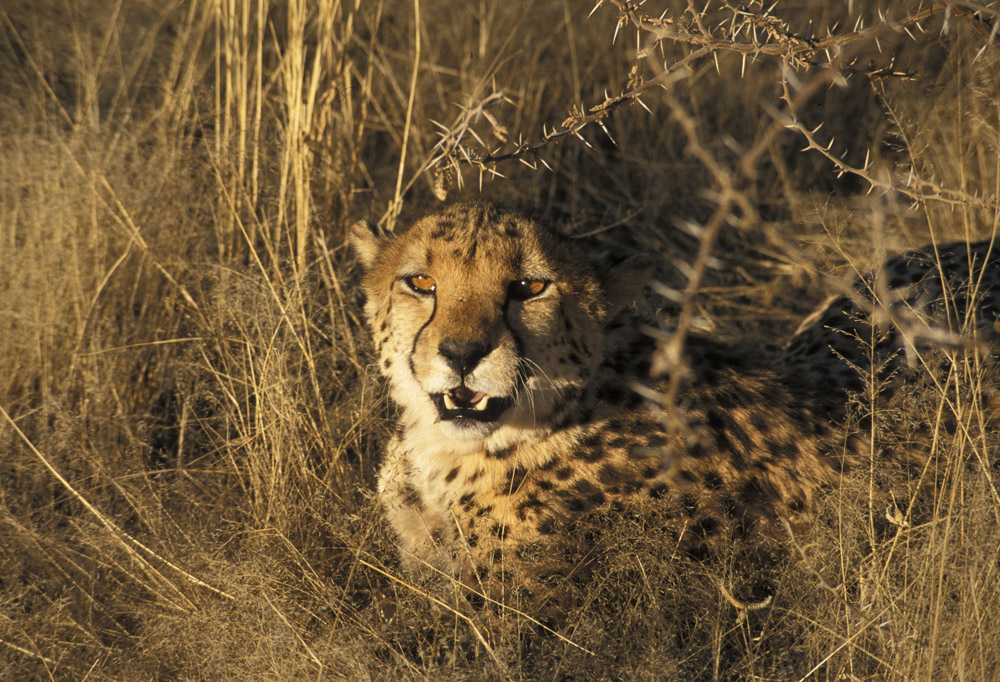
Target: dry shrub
191	422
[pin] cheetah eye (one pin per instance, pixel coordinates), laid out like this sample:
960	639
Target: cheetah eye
523	289
422	284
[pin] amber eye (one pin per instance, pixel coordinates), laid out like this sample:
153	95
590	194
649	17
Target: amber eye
422	284
527	288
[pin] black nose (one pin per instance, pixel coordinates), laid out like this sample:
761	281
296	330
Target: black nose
463	356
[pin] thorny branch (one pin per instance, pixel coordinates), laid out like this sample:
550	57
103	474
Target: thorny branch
915	188
751	30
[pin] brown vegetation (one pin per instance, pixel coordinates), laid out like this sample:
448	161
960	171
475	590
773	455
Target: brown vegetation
189	425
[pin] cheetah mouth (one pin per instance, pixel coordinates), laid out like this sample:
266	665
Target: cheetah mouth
463	403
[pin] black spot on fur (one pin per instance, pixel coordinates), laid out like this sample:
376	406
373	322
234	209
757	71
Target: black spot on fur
758	422
727	400
609	474
728	505
740	434
411	496
451	475
501	454
659	491
785	449
529	505
705	527
590	448
753	492
564	473
656	441
517	478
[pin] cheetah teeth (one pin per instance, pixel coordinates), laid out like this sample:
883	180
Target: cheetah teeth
478	406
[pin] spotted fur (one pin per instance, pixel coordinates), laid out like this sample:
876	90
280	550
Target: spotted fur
506	500
931	297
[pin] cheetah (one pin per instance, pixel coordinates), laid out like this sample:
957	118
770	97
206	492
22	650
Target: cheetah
520	368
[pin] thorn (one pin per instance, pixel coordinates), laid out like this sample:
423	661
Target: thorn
643	105
666	292
691	228
596	7
743	65
601	123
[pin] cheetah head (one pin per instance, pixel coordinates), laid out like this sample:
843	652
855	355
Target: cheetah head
487	323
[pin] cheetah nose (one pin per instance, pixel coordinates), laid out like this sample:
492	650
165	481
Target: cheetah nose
463	356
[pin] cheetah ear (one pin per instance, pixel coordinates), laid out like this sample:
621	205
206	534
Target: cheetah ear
367	240
623	283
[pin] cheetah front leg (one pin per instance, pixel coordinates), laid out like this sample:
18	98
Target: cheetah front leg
426	535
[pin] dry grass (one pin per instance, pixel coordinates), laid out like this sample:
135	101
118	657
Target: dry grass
190	425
